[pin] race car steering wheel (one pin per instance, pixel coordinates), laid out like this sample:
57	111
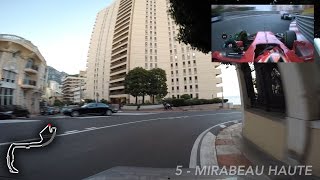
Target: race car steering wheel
232	44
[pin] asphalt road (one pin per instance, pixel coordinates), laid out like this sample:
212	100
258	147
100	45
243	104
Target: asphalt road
251	23
86	146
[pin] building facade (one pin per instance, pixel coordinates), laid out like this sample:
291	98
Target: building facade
53	92
23	73
69	84
141	33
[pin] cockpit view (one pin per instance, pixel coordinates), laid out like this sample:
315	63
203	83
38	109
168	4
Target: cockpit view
262	33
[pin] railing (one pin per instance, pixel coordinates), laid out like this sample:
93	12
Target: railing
306	26
34	67
29	82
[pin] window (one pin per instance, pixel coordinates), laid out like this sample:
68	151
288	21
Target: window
171	65
172	80
190	78
189	71
176	64
8	76
185	87
194	62
197	95
183	57
177	87
146	65
176	71
6	96
177	79
172	88
195	70
196	86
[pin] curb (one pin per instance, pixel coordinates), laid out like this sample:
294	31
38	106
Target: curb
227	151
206	152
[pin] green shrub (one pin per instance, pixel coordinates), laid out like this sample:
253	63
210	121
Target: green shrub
185	96
178	102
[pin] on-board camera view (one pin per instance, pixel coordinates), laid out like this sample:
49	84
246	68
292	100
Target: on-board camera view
262	33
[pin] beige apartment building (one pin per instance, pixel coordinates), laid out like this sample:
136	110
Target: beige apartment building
22	71
141	33
70	84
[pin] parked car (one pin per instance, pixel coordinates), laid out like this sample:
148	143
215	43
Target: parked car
13	111
49	111
90	109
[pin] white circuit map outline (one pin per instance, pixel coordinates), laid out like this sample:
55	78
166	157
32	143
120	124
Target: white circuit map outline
13	146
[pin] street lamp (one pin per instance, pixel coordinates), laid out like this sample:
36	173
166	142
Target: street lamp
97	94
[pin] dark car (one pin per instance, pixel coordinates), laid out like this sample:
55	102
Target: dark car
90	109
286	16
48	111
13	111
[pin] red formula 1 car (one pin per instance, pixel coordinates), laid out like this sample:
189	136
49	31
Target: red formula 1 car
266	47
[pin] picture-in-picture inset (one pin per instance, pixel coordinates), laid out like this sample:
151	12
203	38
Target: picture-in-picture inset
262	33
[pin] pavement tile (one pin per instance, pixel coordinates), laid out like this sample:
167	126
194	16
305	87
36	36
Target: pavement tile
233	160
227	136
224	142
227	149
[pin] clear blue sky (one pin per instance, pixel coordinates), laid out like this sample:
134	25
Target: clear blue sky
61	29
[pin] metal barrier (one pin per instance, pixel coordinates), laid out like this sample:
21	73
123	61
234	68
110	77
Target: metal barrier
306	26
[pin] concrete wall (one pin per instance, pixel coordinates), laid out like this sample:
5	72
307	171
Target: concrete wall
313	157
267	132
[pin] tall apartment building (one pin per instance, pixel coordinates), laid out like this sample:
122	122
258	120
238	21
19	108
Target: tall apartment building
69	84
141	33
23	73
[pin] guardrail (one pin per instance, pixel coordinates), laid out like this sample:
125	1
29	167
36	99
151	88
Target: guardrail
244	13
306	26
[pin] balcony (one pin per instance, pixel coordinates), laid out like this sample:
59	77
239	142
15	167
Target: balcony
31	69
28	84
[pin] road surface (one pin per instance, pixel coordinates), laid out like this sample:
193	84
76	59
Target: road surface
85	146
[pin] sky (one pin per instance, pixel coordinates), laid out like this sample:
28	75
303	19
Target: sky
61	29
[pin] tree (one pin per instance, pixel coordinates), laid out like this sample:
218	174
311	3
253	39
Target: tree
194	20
57	102
157	83
104	101
136	83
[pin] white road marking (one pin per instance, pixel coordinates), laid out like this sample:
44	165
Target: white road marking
194	151
56	117
91	128
17	121
223	126
90	117
72	131
122	124
208	155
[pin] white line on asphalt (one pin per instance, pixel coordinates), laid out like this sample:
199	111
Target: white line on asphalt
56	117
68	132
90	117
17	121
194	151
91	128
207	153
134	122
223	126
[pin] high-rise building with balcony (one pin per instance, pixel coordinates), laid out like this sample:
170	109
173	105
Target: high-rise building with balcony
141	33
70	85
22	71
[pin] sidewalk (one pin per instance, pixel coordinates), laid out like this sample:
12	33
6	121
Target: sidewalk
234	150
